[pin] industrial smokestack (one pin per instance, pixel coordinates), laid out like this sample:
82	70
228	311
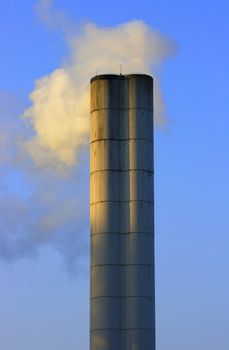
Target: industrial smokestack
122	213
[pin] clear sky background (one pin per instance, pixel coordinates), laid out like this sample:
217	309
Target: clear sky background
44	288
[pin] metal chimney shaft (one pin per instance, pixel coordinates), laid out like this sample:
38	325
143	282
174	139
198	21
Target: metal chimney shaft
122	212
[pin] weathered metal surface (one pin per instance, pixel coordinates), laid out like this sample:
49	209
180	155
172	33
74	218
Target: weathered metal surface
135	248
124	313
123	339
121	124
121	155
111	186
122	280
121	217
122	227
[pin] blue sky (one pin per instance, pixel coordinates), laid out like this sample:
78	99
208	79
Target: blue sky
44	285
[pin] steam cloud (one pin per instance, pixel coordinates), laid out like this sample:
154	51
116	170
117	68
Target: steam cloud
42	208
60	101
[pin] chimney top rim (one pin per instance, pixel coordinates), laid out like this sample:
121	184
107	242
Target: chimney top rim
120	76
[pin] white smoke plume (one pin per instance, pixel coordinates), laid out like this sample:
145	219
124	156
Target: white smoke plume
38	208
59	114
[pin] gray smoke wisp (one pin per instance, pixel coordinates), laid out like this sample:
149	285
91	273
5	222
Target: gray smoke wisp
45	183
39	208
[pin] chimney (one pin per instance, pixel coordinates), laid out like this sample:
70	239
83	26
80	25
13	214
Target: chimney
122	296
